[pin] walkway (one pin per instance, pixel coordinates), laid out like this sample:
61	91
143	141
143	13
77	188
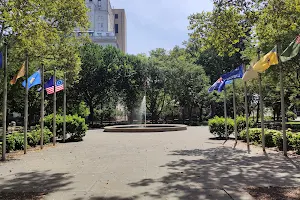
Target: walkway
121	166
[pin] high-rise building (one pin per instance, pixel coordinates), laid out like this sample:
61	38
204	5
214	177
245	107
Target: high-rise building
120	28
105	29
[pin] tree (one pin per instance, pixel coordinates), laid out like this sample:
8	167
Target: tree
43	31
96	79
131	80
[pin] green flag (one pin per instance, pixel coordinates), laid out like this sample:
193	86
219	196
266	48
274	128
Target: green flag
292	50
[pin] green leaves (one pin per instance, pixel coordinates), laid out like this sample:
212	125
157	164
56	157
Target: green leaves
222	31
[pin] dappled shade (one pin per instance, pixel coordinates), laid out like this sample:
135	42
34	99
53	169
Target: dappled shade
216	170
33	185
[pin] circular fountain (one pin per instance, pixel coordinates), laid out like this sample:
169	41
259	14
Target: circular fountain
144	127
147	128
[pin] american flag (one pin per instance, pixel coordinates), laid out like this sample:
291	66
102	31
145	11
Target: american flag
50	87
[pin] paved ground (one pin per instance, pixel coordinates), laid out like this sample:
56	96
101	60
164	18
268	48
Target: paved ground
182	165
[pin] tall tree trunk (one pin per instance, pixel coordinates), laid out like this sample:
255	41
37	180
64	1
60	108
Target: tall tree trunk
91	114
130	116
212	110
278	114
102	116
257	112
200	113
183	115
156	117
190	114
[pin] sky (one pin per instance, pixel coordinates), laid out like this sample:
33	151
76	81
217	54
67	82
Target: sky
155	24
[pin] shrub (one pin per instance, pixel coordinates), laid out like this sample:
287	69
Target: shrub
269	137
295	142
243	135
10	143
19	141
75	126
48	136
256	136
291	115
295	126
278	140
34	137
15	142
217	126
241	123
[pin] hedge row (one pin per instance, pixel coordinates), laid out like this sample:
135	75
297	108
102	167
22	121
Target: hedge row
15	141
75	128
217	125
273	138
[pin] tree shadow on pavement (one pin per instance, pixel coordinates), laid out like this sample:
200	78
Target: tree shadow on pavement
33	185
209	173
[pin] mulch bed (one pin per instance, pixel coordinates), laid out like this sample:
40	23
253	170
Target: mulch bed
274	193
21	196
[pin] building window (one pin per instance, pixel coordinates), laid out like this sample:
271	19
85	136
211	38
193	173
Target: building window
101	25
116	16
116	28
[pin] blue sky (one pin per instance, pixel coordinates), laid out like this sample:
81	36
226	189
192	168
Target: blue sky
158	23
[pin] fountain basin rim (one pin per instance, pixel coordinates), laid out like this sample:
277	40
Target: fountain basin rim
148	128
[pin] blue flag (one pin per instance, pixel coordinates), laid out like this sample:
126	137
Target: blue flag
219	85
216	85
1	60
222	85
49	83
33	80
235	74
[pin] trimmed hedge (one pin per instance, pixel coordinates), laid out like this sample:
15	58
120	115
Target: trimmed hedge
217	125
75	125
291	115
273	138
34	137
15	141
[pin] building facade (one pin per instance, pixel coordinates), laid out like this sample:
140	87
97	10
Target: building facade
120	28
103	29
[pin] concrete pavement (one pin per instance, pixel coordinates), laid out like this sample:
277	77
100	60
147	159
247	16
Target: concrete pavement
119	166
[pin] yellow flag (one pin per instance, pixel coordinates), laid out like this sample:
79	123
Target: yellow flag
20	74
265	62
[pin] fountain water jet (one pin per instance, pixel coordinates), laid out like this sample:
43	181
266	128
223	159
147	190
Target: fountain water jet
145	127
143	112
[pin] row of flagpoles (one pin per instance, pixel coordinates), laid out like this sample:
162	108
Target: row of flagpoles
52	86
272	58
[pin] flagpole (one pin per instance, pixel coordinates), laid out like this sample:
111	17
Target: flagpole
26	107
225	112
42	106
261	102
246	112
54	107
4	103
282	104
65	106
234	113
